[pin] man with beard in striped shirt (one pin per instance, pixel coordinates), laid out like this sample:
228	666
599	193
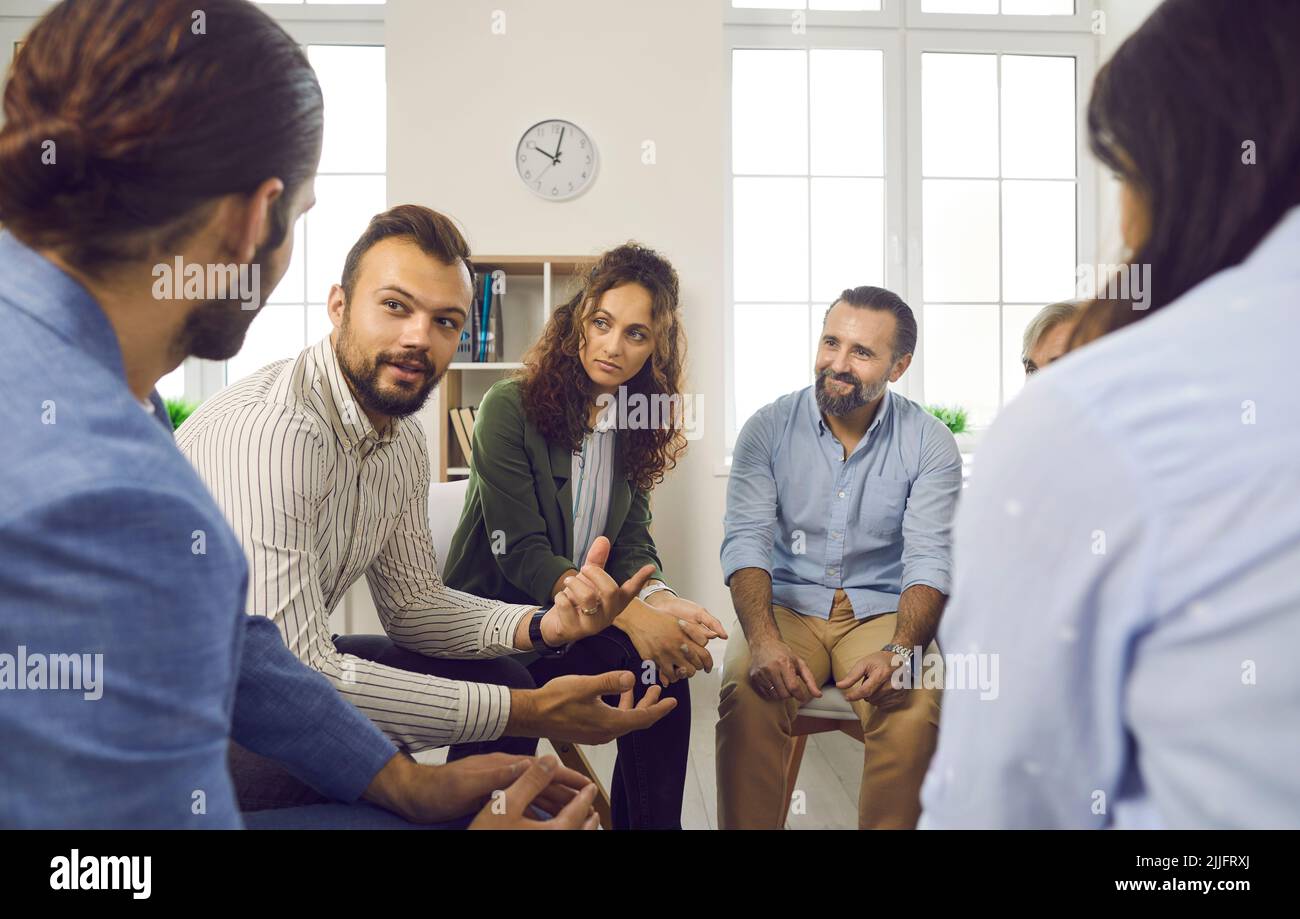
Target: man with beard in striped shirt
323	473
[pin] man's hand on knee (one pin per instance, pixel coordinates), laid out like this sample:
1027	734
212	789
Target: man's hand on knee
776	672
871	680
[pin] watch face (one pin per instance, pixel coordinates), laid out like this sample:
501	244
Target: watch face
556	160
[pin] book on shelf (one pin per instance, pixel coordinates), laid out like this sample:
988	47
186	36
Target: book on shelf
464	436
483	338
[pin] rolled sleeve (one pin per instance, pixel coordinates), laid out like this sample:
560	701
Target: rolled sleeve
927	520
291	713
749	528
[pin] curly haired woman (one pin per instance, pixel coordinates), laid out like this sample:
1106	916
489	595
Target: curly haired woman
558	461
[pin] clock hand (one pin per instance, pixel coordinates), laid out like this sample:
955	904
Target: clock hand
550	156
559	142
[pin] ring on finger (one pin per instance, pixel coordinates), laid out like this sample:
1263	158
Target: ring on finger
589	610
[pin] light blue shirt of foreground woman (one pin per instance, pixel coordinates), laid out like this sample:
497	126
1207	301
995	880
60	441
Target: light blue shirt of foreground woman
1129	548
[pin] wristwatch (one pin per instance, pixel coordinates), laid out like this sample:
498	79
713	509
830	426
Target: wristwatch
903	652
535	635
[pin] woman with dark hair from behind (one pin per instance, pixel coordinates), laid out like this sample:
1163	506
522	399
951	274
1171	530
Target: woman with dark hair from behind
568	451
1140	595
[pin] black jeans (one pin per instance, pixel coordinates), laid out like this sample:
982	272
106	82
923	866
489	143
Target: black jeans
650	772
262	783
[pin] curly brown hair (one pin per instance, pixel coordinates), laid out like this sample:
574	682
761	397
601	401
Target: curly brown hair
557	392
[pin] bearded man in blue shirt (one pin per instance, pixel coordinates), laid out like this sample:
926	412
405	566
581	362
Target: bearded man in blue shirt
837	551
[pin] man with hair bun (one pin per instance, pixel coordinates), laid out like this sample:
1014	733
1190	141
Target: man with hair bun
149	144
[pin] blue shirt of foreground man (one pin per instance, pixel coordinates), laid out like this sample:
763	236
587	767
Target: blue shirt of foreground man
121	586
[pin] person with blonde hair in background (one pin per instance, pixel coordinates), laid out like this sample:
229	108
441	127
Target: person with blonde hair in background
1047	337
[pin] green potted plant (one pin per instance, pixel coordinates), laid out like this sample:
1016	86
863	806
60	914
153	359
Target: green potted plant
178	410
954	416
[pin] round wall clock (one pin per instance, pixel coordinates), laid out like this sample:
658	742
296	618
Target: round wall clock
556	159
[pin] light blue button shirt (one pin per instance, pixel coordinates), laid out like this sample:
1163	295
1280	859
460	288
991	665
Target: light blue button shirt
1129	549
873	524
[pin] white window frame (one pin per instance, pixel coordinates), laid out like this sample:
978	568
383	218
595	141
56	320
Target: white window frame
1083	49
308	24
1081	21
891	44
904	33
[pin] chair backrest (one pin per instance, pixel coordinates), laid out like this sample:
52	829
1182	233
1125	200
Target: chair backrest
445	502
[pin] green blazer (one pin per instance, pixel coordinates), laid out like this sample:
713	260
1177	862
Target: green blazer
519	489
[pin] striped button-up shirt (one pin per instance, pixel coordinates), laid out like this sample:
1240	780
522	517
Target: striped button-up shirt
318	498
593	468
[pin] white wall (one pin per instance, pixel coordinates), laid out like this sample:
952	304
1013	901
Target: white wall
460	96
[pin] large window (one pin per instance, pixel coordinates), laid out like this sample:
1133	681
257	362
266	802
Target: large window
350	189
998	216
932	148
808	202
349	60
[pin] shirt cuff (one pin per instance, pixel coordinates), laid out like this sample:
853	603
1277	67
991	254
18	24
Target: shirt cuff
738	558
487	712
654	587
934	577
359	757
501	626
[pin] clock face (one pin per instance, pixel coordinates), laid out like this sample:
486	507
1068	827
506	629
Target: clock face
556	160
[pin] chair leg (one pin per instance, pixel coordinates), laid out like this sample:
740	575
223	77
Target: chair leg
792	769
573	757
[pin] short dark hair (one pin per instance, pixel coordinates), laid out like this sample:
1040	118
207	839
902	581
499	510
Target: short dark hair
434	233
877	298
148	120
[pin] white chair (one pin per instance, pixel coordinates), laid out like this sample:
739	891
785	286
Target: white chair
445	502
446	499
832	712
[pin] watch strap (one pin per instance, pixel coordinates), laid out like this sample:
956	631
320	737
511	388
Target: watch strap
539	642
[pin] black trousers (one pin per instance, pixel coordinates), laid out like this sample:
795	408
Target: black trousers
264	784
650	772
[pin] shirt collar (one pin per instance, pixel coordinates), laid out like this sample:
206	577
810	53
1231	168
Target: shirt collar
819	424
351	425
38	287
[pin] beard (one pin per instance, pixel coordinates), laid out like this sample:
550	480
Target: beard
397	400
215	329
861	394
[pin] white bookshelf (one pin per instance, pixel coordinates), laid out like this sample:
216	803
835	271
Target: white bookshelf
534	285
